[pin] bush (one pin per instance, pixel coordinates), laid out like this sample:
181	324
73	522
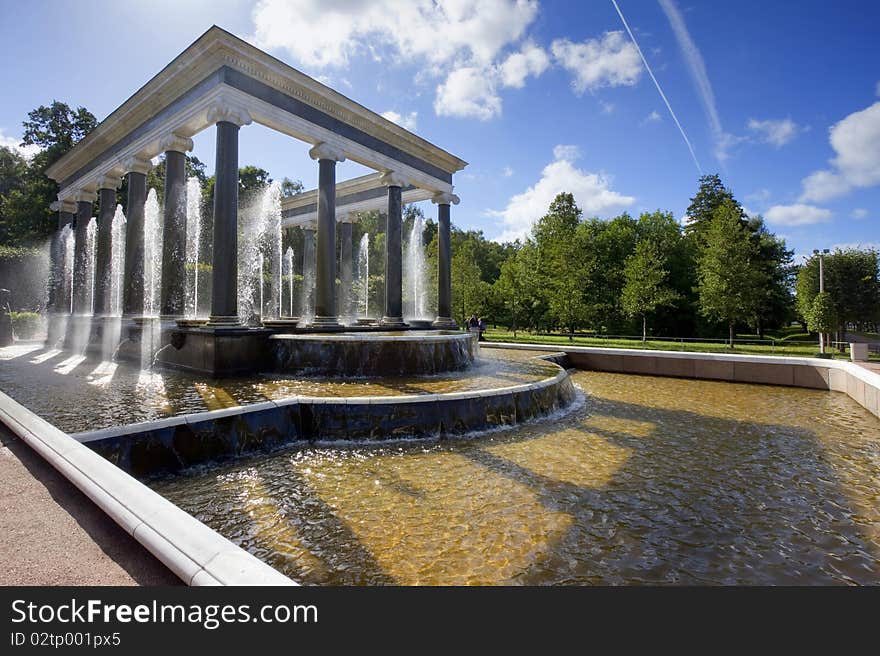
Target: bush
26	325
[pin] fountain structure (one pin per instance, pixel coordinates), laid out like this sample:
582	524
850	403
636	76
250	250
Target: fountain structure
136	289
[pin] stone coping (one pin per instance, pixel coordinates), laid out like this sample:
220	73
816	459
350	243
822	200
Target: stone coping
850	367
253	408
377	336
194	552
857	382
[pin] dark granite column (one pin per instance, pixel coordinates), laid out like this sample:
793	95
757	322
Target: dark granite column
444	263
345	270
82	286
103	250
325	256
174	231
59	302
133	281
393	255
224	276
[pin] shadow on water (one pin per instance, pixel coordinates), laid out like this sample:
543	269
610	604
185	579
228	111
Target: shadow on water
703	500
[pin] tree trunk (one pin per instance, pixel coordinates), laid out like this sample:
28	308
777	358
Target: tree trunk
731	335
644	329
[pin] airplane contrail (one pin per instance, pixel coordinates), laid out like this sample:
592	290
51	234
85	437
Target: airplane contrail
659	89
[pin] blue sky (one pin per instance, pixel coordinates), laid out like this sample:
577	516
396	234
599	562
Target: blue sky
781	99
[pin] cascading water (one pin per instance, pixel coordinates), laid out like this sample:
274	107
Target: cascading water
363	276
260	244
414	273
307	304
287	273
152	255
193	232
91	247
117	261
66	250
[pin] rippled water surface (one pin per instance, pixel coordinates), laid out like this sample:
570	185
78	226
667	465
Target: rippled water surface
78	394
649	480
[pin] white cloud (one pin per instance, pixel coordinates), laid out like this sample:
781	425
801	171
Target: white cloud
592	192
530	60
653	117
13	143
568	152
407	122
609	61
697	67
775	132
452	38
468	92
436	31
797	215
607	107
859	213
856	142
507	172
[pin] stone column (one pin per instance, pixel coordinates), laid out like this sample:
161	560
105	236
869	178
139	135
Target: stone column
133	280
393	252
444	262
174	232
325	256
345	269
224	277
82	286
103	251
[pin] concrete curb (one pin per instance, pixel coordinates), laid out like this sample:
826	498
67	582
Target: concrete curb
857	382
194	552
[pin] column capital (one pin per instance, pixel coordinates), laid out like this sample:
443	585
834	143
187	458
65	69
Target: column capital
176	143
309	225
137	165
348	217
444	198
323	150
393	179
224	112
85	196
110	181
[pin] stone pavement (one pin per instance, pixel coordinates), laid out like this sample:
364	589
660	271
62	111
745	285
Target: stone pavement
52	534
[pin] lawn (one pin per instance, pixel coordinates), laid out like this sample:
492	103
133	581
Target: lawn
781	347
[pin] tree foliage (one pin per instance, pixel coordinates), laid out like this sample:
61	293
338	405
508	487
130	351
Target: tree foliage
730	277
646	288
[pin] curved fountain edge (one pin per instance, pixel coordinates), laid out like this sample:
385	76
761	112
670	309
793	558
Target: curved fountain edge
175	443
193	551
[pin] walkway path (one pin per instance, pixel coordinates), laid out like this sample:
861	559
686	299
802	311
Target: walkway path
52	534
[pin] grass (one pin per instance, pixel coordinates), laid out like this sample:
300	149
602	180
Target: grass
779	348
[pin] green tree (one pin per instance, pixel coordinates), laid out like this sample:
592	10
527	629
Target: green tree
25	216
513	289
711	195
291	187
776	305
852	278
469	291
730	280
822	318
646	288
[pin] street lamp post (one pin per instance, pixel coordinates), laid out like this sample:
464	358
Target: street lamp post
821	255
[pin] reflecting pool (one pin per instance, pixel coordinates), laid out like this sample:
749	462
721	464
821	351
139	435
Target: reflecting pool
649	480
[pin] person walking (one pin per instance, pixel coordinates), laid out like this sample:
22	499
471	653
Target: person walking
481	325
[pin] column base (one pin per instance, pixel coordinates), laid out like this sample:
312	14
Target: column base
445	323
324	322
224	322
392	322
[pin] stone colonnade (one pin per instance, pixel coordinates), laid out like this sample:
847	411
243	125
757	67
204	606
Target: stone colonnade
224	299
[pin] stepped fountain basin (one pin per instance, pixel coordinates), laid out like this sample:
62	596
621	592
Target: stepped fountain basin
381	353
152	423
